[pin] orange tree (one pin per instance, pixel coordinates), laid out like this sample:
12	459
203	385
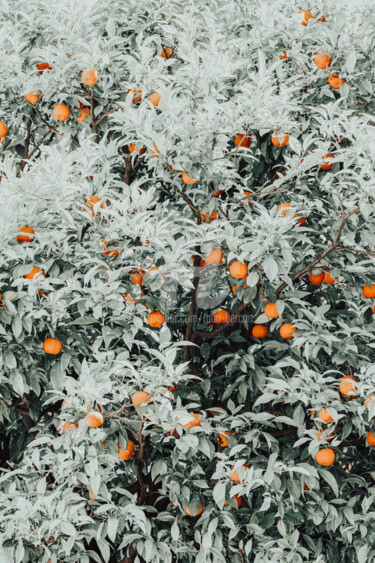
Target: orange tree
187	282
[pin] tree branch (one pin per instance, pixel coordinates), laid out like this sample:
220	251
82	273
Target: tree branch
321	255
26	149
187	200
46	122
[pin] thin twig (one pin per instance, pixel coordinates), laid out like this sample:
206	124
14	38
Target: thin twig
46	122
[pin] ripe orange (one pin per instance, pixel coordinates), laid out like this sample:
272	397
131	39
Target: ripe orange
196	421
369	292
42	67
128	453
154	98
137	277
322	61
52	346
132	148
259	331
61	112
69	426
91	202
221	317
270	310
242	141
284	57
328	164
187	180
140	399
234	287
325	457
215	256
196	514
25	238
235	476
32	97
280	142
212	217
3	130
325	416
370	439
248	194
285	207
94	419
286	331
113	252
347	386
238	499
156	319
368	400
218	193
137	95
84	112
34	273
238	270
306	17
334	81
202	263
328	279
316	279
223	440
328	438
90	76
167	53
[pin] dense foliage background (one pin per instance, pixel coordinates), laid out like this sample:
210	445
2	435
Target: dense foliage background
228	68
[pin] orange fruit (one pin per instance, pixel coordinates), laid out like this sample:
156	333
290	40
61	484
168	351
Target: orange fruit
347	386
285	207
187	180
137	277
370	439
243	141
61	112
52	346
93	199
212	217
3	130
25	238
84	112
221	317
284	57
328	279
128	453
156	319
196	514
137	95
32	97
223	440
154	98
218	193
328	164
325	457
369	292
215	256
69	426
270	310
167	53
42	67
94	419
202	262
238	270
328	438
196	421
322	61
284	139
90	76
306	17
140	399
235	476
113	253
325	416
259	331
234	287
316	279
286	331
132	148
248	194
322	19
238	499
334	81
368	400
34	273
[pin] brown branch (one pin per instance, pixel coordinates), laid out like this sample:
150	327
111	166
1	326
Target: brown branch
344	249
128	169
40	142
187	200
138	467
321	255
92	107
131	557
46	122
26	149
108	112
